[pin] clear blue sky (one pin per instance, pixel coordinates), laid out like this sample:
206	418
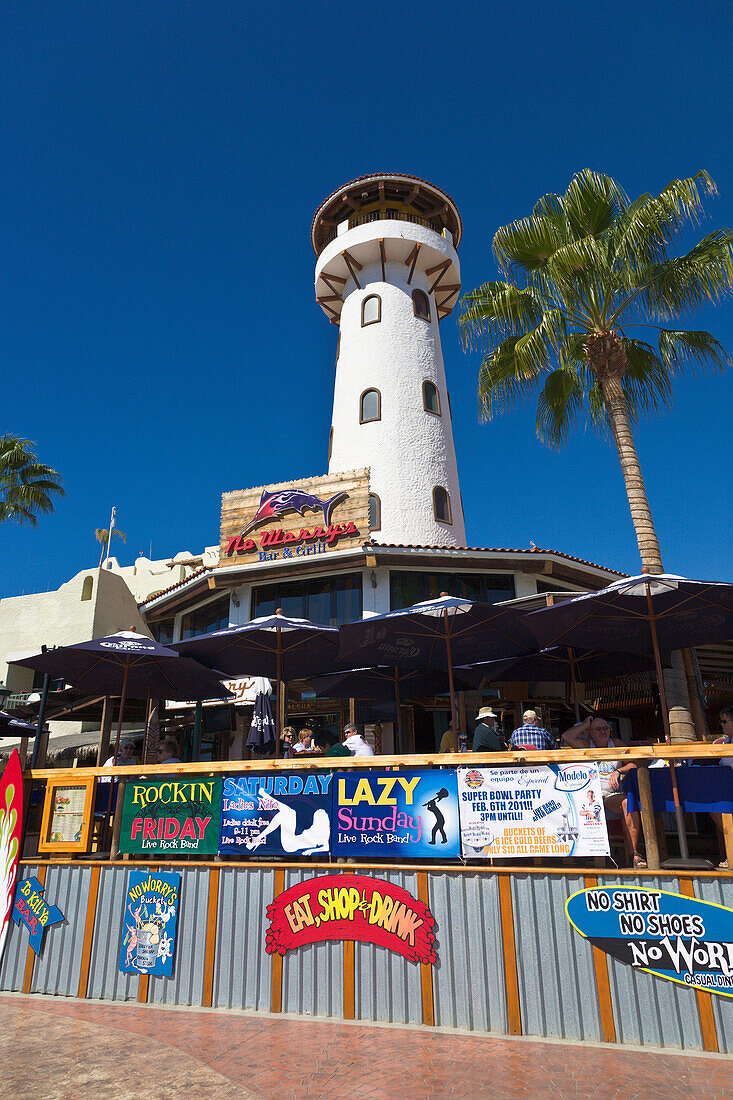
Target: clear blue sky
161	164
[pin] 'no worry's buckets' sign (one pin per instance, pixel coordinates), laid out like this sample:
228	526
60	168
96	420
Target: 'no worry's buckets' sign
351	907
149	923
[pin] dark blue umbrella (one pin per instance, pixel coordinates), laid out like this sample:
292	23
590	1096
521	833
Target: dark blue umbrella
128	664
262	729
15	727
438	634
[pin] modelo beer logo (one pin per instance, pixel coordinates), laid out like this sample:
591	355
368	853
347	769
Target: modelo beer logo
573	777
351	907
669	935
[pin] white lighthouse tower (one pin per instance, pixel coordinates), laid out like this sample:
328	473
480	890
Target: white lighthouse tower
387	273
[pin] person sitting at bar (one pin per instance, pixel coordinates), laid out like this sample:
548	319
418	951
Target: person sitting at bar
169	751
595	732
286	742
124	756
330	745
305	741
531	735
355	742
485	736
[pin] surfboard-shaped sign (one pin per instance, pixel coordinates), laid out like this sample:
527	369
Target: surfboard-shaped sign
11	816
669	935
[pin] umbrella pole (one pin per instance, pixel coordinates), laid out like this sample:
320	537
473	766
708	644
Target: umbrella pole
400	746
678	811
197	729
280	693
574	683
123	697
451	688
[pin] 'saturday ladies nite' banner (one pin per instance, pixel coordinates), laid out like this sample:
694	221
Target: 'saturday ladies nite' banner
409	814
351	907
543	811
284	814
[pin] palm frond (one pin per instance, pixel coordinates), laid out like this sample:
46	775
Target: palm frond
503	379
702	275
644	232
592	203
526	244
692	349
646	383
495	311
558	404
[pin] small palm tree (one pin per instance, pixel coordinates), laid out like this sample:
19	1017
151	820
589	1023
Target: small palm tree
584	272
27	486
102	535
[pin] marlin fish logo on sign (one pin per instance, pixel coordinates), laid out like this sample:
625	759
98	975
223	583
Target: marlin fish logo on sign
275	505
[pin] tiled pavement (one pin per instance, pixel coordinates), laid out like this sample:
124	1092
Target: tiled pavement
59	1050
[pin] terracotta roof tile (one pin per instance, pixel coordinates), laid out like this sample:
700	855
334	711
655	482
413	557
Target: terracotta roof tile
501	550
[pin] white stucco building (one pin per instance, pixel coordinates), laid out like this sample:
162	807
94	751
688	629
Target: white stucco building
387	272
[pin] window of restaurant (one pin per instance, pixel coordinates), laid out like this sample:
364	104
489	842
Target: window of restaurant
212	616
163	632
406	589
327	600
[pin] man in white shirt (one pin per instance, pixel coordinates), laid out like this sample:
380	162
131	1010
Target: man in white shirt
355	742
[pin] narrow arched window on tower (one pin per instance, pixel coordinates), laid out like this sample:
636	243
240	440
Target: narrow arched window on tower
441	505
421	304
371	310
370	406
375	512
430	398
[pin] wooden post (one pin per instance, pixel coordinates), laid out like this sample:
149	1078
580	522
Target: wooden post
86	951
426	969
352	710
117	825
514	1012
648	823
210	949
197	715
23	752
603	985
276	991
727	820
704	999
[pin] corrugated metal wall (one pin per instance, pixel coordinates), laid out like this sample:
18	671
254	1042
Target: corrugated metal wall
555	966
242	967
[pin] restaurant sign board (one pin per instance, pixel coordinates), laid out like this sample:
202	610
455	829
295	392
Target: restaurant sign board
171	815
295	519
526	812
669	935
351	907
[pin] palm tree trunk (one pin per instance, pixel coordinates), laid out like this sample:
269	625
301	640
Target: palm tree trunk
618	418
681	723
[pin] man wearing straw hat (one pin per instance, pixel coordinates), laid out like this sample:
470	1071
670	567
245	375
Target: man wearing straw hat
485	737
531	735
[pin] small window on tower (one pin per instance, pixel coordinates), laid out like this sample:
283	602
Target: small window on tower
370	406
86	588
330	444
375	512
421	304
371	310
430	398
441	505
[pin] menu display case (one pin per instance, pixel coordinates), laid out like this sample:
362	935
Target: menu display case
67	816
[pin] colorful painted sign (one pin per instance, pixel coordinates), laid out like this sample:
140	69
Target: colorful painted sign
149	923
351	907
513	813
411	814
283	814
11	816
36	913
281	522
171	815
669	935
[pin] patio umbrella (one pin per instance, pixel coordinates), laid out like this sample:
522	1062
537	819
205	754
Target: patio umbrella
648	614
275	646
262	729
15	727
128	664
564	665
438	634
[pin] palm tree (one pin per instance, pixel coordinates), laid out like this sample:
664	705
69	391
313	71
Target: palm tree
102	535
26	485
582	271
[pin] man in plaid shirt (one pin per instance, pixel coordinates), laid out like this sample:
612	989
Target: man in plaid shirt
531	735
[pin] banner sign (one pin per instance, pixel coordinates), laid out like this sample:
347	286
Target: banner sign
276	815
412	814
542	811
149	923
669	935
11	817
171	815
351	907
35	912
